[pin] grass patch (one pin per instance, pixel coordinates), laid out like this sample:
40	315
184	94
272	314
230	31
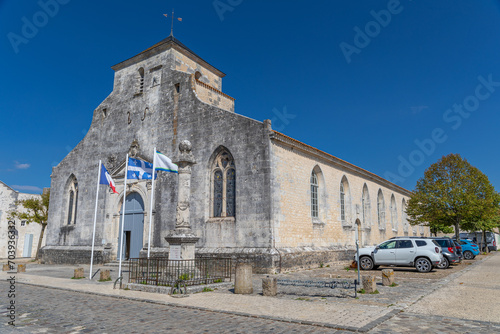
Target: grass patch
205	289
105	280
394	285
302	298
126	289
321	264
362	291
374	292
77	277
390	305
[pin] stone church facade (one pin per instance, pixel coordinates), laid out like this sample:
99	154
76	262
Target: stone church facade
256	194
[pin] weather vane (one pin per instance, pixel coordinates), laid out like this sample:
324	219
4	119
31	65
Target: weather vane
172	27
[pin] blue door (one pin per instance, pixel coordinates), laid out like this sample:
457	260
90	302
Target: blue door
133	227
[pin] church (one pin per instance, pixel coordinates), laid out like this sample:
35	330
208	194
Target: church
256	194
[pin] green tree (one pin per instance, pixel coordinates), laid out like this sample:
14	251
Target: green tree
36	210
452	192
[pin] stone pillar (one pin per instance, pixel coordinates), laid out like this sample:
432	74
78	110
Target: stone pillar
369	283
105	275
78	273
270	286
387	277
21	268
182	241
243	279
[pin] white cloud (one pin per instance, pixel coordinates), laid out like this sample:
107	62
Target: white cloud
27	188
21	166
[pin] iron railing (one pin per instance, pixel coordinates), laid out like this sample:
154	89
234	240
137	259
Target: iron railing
164	272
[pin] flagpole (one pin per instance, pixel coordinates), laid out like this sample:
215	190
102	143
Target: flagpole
123	217
152	200
95	220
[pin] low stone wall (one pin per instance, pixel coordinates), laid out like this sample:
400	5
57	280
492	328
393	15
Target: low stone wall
270	260
73	255
166	289
264	260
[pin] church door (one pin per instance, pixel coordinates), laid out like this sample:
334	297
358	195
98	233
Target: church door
133	227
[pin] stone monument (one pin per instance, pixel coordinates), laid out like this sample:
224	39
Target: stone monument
182	239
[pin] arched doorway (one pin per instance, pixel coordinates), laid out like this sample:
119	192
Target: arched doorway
133	227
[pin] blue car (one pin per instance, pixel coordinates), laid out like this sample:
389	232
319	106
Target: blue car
469	249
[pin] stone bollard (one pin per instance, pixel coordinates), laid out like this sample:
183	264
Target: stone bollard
387	277
6	267
243	279
270	286
21	268
369	283
78	273
105	275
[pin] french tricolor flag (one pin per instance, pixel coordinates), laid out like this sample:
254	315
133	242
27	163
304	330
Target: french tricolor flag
106	179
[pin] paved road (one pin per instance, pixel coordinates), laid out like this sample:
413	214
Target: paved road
44	310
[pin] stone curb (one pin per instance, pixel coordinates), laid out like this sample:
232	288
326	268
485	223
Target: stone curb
248	315
378	321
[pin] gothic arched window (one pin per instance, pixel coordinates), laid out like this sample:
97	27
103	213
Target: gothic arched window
381	210
314	195
345	200
342	202
394	214
223	185
72	201
366	207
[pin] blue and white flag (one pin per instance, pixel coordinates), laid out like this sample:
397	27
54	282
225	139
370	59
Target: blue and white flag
164	163
139	169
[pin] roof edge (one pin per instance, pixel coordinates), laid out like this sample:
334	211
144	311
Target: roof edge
165	44
307	148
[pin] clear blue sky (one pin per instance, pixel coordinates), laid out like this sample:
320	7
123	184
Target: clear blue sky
364	97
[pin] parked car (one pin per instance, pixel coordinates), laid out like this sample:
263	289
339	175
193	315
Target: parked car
458	249
449	252
421	253
469	249
492	239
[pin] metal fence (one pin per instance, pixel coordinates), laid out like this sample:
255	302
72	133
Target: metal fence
164	272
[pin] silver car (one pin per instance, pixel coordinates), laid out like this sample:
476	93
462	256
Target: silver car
423	254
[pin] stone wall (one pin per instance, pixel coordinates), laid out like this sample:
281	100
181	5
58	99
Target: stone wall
212	96
74	255
293	163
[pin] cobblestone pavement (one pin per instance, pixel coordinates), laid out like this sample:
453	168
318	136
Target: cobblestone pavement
45	310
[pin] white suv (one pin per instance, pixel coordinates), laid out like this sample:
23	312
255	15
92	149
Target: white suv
421	253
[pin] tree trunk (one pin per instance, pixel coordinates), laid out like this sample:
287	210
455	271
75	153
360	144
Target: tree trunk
40	241
486	249
457	231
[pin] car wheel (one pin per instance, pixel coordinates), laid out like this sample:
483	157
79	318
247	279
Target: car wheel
468	255
423	265
366	263
444	264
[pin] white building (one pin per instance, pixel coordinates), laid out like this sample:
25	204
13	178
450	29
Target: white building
27	235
